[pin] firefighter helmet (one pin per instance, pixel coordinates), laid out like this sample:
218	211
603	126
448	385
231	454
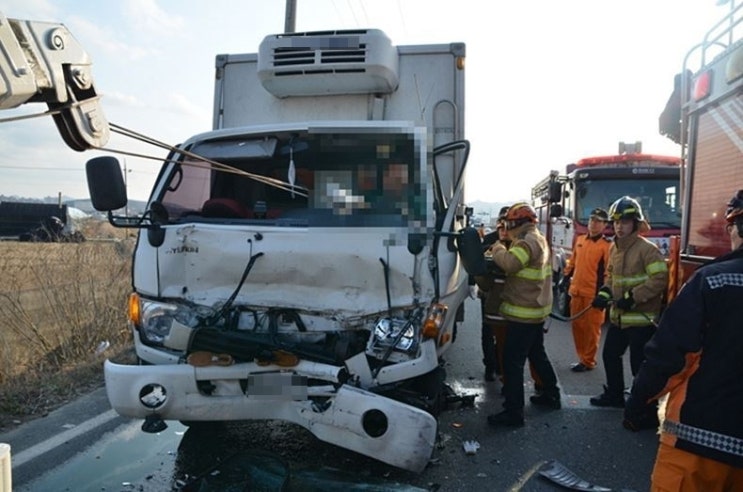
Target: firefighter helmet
735	207
520	213
626	208
629	208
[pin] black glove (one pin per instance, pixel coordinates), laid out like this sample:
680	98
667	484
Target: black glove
627	302
603	298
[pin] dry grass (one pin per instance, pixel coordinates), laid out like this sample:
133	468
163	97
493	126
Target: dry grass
58	302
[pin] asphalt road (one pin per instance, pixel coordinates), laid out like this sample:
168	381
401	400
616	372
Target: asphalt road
86	439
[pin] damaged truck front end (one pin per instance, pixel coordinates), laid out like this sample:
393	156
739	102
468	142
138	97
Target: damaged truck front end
307	273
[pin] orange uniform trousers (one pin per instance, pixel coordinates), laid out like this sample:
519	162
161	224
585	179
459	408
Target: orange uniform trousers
677	470
586	329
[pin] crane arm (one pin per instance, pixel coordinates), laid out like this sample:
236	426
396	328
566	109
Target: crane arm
42	62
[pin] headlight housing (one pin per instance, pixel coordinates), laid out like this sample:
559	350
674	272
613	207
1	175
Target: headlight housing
394	338
165	324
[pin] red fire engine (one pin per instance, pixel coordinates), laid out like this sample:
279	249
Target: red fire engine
565	201
704	115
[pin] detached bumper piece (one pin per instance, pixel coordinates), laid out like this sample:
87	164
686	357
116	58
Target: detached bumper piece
381	428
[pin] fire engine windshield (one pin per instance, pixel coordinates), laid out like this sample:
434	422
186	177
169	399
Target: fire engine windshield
365	179
657	196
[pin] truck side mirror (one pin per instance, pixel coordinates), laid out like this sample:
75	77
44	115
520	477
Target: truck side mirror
556	210
106	184
555	192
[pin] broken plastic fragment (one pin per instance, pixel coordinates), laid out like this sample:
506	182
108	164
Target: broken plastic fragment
471	447
559	474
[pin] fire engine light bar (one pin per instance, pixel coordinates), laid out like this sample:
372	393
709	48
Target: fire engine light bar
702	86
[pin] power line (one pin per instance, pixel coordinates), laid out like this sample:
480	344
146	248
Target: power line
39	168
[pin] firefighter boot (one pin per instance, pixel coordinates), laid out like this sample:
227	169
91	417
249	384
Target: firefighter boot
607	399
506	418
547	399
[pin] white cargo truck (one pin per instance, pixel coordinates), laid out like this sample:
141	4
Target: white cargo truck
301	261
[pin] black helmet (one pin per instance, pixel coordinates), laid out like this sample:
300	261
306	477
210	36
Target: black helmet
626	208
600	214
735	207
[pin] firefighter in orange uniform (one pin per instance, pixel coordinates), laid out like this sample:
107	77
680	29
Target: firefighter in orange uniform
586	273
695	358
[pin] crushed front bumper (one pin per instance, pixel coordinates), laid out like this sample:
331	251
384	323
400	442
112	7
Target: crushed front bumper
367	423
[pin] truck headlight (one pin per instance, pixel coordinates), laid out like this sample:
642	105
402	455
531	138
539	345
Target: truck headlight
388	330
165	324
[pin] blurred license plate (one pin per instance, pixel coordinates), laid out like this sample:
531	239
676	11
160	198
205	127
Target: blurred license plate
277	386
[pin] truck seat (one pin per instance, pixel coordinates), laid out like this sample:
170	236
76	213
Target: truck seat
225	207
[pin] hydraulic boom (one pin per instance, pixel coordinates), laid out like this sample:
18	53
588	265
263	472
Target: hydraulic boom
42	62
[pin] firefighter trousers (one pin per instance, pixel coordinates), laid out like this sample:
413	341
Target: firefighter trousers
677	470
586	329
525	341
498	329
488	342
615	345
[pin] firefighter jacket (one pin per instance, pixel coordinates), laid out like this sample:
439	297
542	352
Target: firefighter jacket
527	292
636	265
491	286
587	265
695	357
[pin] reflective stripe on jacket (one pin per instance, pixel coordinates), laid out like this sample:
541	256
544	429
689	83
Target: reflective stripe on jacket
695	357
637	264
527	293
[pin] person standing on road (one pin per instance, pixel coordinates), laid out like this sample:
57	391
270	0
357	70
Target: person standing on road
586	272
526	303
490	287
695	358
636	282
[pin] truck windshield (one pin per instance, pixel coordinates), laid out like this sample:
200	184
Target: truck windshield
365	179
658	198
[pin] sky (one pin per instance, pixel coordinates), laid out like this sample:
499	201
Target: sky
547	82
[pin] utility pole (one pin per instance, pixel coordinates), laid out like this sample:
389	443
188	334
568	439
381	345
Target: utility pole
290	19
